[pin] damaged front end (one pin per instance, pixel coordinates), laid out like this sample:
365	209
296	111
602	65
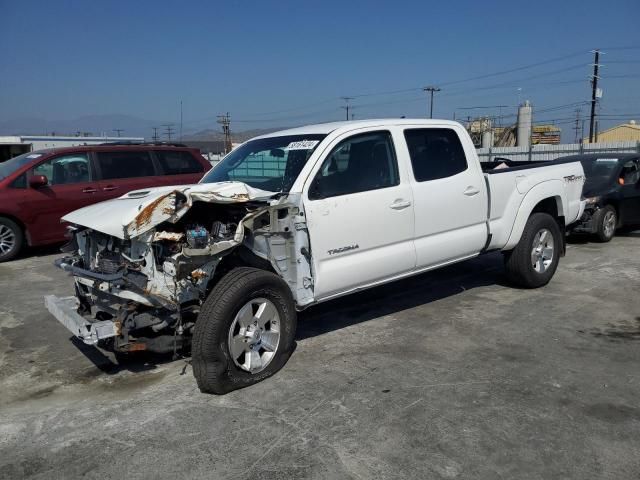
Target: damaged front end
143	264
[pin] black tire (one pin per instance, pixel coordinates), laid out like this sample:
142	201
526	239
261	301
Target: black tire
603	217
214	369
518	262
15	235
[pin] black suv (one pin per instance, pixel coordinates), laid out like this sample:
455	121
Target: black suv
612	192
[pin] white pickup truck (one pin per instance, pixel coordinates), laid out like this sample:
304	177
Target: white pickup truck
294	218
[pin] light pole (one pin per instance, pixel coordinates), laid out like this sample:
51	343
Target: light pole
431	89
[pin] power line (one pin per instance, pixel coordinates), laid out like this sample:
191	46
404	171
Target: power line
155	134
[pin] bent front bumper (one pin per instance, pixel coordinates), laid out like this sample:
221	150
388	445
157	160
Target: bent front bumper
65	309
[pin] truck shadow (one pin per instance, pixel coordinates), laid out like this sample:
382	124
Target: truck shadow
401	295
346	311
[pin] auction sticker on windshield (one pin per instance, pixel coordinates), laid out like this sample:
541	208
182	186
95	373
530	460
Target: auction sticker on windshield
302	145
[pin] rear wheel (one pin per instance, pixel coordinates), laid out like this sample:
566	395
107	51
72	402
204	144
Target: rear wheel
534	259
607	220
11	239
245	331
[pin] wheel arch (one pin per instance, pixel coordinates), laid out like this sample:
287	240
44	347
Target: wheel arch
239	257
543	198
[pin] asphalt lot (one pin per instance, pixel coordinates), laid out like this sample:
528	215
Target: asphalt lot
452	374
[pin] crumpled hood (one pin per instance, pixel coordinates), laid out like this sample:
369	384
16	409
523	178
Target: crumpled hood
139	211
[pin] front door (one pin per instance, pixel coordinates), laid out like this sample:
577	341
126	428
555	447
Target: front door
360	215
71	186
630	192
449	195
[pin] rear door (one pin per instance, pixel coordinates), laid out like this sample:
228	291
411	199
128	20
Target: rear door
630	192
449	195
179	167
359	214
121	171
72	185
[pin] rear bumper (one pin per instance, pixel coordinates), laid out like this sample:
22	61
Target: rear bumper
64	309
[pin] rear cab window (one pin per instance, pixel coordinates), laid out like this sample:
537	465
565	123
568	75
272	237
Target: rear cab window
125	164
175	162
435	153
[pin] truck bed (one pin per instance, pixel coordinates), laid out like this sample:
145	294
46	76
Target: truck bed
508	188
515	165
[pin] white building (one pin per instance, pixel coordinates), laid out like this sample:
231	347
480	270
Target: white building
13	145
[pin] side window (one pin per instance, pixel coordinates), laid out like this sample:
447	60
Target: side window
630	174
66	169
357	164
125	164
435	153
178	163
20	182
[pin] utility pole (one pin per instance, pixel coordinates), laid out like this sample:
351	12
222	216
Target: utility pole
225	121
118	131
168	130
577	127
594	92
155	134
347	106
180	120
431	89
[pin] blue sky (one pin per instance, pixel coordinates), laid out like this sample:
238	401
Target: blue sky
273	63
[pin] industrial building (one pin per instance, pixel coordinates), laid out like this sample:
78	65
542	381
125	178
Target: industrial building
11	146
484	134
627	132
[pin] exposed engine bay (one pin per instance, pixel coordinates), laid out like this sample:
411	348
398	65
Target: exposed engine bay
151	280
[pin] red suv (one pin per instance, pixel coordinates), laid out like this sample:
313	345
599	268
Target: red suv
38	188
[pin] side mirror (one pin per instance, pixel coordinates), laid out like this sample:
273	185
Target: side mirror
277	152
38	181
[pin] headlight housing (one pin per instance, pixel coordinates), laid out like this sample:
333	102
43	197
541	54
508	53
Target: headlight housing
592	200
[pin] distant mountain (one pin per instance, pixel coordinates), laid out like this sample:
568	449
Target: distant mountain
216	135
106	124
95	124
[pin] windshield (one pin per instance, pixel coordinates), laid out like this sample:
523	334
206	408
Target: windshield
10	166
599	170
271	163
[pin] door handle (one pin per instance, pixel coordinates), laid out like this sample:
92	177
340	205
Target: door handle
471	191
400	204
89	190
109	188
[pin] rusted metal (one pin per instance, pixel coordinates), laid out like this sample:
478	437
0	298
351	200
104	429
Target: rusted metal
144	217
134	347
198	274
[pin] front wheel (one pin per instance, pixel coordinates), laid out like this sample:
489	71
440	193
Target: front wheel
11	239
534	259
245	331
606	222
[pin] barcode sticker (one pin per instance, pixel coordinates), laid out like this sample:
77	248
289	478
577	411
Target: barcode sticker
302	145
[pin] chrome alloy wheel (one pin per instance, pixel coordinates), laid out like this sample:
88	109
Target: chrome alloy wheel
609	223
542	252
254	335
7	239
